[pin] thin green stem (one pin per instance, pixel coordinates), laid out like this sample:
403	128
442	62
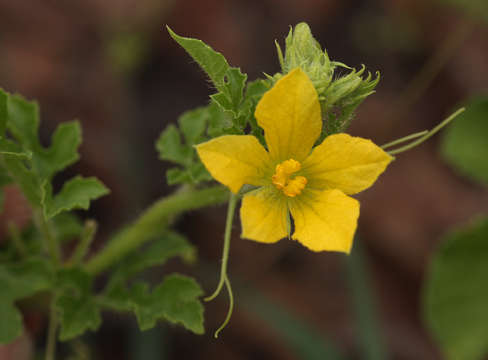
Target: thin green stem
225	252
153	222
16	239
51	242
231	307
51	334
426	136
403	139
86	239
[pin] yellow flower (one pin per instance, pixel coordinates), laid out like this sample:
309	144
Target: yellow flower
292	178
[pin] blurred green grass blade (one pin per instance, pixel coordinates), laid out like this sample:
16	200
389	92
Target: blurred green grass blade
364	307
465	145
307	342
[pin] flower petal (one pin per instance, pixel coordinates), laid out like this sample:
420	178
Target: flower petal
325	220
235	160
290	115
347	163
264	215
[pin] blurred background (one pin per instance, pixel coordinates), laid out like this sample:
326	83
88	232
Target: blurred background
111	64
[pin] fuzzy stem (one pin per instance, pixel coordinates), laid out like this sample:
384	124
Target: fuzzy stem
152	222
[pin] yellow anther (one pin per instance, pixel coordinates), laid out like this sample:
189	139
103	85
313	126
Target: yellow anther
295	186
283	180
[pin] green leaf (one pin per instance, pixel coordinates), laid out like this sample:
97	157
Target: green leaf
455	293
170	147
175	300
78	309
75	194
10	322
219	123
230	96
192	124
23	121
464	144
22	175
169	245
66	226
8	147
62	152
177	176
18	281
212	62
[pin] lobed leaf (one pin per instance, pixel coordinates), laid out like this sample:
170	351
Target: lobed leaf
18	281
78	309
75	194
62	152
211	61
170	147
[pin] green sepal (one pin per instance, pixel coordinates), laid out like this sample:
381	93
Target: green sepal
76	193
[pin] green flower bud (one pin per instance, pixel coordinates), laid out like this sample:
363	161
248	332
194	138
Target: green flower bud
339	95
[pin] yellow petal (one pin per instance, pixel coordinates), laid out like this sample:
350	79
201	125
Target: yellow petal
290	115
347	163
264	215
325	220
235	160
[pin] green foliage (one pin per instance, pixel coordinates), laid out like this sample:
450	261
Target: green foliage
19	280
340	96
212	62
77	306
75	194
456	295
231	111
171	147
174	300
33	166
464	145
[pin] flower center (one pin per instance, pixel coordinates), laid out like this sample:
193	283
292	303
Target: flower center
284	180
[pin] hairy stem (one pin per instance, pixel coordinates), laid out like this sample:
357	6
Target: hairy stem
152	222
